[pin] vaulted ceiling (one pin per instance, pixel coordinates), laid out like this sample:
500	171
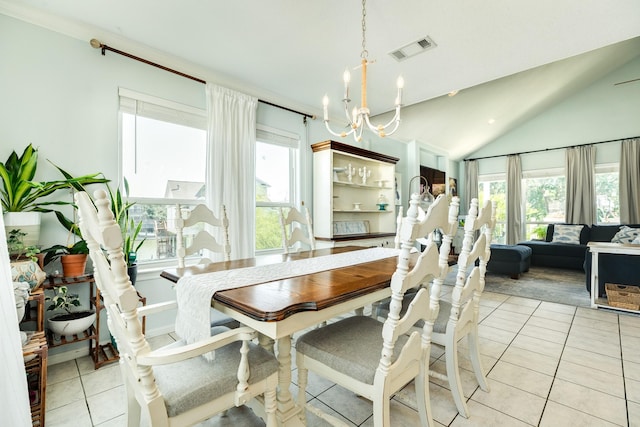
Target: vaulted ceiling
508	60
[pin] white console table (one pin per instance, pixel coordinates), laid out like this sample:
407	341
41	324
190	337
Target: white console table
597	248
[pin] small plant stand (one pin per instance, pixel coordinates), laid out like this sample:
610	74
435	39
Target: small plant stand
36	370
100	353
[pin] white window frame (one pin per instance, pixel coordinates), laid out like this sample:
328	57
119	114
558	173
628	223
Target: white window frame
165	110
270	135
608	168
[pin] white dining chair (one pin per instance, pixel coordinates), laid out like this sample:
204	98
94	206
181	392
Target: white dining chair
375	359
297	230
204	220
459	318
202	217
173	385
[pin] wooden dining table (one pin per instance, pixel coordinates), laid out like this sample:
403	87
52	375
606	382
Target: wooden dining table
280	308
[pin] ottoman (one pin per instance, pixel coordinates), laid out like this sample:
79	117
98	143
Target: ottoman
509	259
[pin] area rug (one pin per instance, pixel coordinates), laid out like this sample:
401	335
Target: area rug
542	283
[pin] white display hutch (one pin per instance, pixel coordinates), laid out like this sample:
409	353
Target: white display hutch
347	211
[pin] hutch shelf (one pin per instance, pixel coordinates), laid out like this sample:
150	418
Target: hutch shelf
353	196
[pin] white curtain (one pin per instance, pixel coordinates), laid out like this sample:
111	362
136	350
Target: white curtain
14	404
470	184
580	204
231	163
630	181
514	199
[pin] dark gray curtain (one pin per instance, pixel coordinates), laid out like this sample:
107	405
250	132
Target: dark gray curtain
630	181
514	199
580	206
470	184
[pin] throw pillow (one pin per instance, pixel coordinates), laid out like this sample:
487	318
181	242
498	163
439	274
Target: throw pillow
625	235
569	234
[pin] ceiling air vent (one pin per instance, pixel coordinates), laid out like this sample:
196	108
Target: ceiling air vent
413	48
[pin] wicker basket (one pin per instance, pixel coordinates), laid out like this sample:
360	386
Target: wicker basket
623	296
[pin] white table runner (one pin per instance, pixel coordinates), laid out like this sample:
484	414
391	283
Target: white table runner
194	293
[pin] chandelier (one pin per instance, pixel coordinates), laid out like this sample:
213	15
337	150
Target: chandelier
358	117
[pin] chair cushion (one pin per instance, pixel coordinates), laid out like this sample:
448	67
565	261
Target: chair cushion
440	325
194	382
352	346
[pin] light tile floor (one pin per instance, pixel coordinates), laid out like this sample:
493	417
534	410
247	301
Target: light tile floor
547	365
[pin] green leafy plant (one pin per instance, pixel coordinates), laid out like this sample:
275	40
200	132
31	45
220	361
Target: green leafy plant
21	194
128	226
17	249
56	251
63	300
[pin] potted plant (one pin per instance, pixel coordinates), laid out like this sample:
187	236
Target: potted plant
128	226
69	322
24	262
72	257
20	196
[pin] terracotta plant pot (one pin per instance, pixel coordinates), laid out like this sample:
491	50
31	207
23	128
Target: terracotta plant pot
72	323
73	265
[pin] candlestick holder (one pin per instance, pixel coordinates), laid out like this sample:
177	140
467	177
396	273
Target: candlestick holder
364	174
351	171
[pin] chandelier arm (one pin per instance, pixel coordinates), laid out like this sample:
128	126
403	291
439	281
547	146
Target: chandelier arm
357	135
381	130
348	114
341	134
378	128
395	128
396	118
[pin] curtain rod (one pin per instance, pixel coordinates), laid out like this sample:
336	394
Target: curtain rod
98	45
549	149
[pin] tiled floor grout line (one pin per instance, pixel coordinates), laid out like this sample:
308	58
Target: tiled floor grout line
555	373
502	354
624	379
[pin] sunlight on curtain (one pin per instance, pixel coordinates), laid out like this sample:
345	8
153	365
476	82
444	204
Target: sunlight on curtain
630	181
581	185
471	183
514	199
231	130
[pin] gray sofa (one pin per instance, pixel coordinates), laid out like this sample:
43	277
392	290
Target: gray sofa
621	269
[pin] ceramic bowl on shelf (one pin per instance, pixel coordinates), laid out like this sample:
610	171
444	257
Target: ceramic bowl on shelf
382	206
73	323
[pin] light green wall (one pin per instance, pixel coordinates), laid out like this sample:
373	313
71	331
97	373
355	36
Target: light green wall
602	112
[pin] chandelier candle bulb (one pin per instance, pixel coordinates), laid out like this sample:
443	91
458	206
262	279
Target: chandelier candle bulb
400	84
325	105
347	78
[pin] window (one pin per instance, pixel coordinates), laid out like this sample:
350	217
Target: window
164	147
607	194
277	157
494	187
545	195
